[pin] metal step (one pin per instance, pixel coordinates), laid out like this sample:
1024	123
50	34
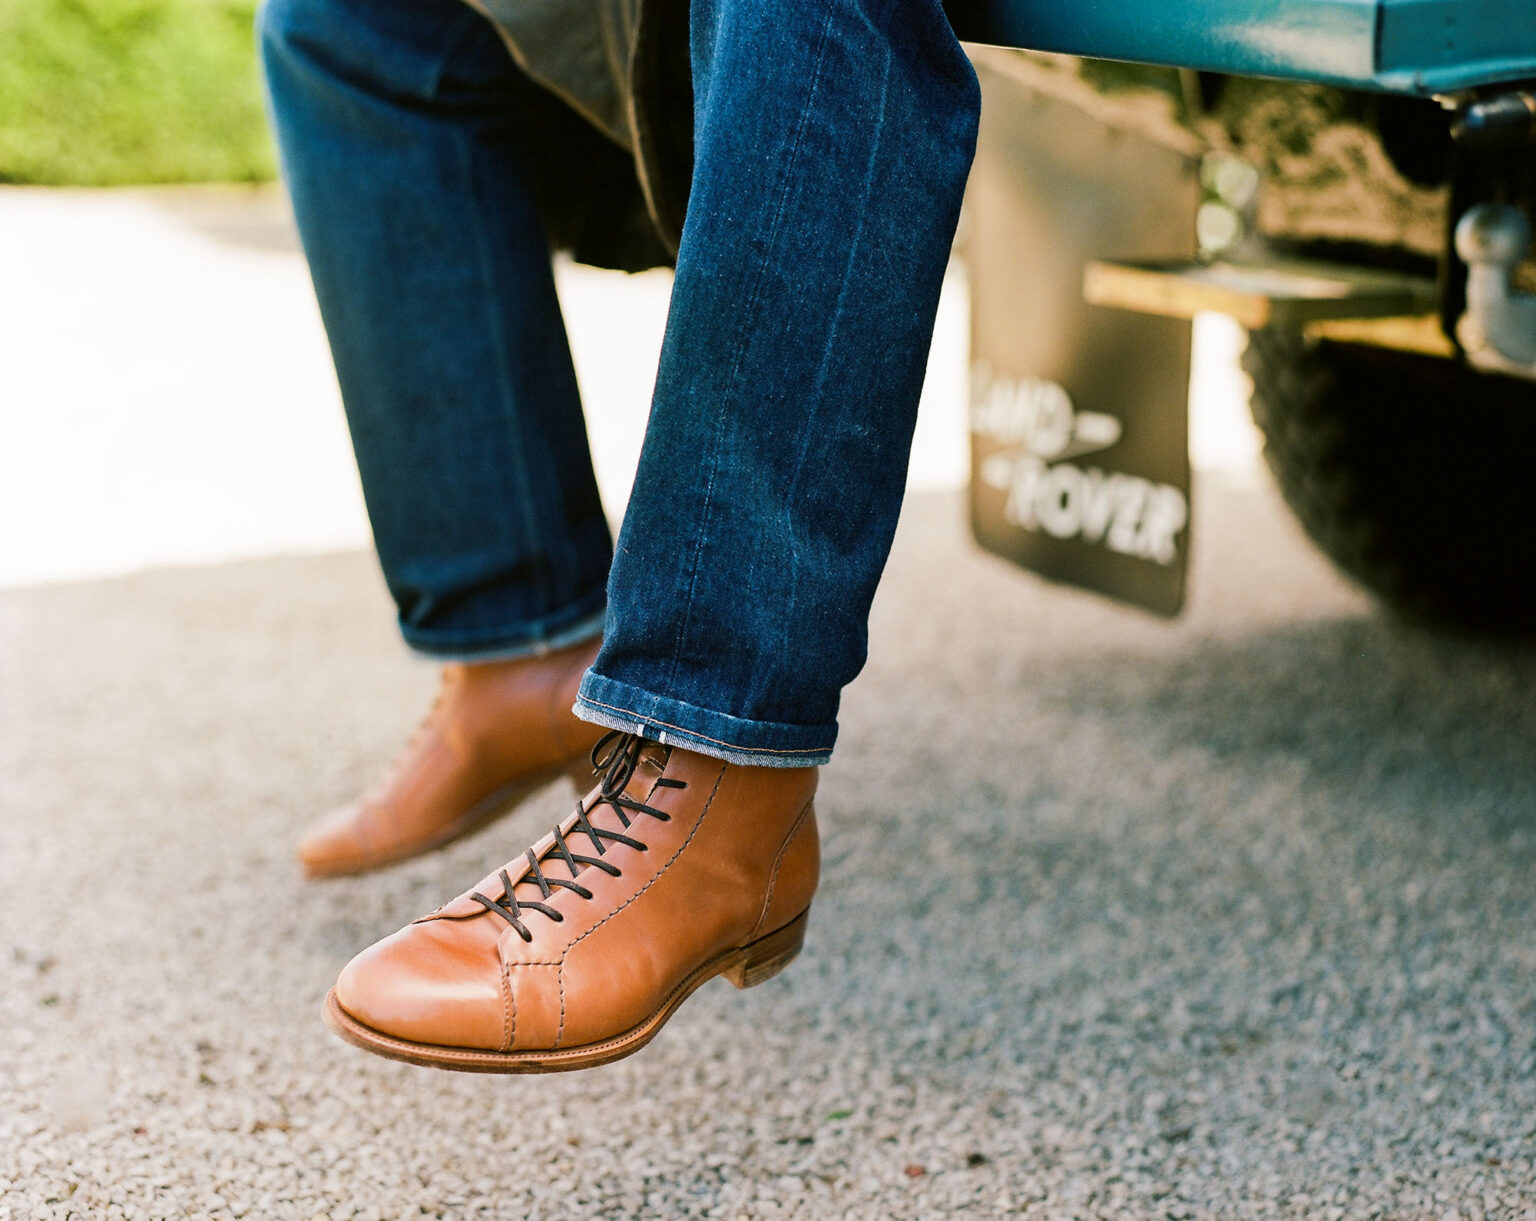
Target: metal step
1288	293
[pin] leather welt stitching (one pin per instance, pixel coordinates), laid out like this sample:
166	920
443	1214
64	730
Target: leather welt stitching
560	973
778	863
670	861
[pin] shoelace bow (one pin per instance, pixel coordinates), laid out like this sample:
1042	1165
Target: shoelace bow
615	758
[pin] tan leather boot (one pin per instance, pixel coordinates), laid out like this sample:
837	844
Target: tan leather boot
675	869
498	732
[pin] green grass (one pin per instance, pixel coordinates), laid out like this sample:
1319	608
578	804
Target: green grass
107	92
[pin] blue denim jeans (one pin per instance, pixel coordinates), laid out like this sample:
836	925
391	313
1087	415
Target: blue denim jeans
832	143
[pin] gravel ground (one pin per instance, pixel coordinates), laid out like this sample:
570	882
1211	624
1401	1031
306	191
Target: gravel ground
1226	918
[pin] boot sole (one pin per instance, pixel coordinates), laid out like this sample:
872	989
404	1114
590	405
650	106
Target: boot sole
487	810
745	966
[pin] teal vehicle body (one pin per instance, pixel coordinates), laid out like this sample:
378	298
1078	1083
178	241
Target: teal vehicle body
1354	181
1417	47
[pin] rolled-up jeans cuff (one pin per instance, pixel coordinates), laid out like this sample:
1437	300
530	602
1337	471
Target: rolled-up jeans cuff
526	640
616	705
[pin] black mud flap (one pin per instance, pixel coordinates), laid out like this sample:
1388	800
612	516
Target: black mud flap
1079	413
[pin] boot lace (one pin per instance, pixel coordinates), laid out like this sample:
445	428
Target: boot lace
615	758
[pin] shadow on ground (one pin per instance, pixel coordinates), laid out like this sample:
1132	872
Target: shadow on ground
1221	918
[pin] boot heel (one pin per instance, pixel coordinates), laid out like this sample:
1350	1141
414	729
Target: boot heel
769	955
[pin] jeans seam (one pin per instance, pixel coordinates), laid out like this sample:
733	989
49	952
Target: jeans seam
514	458
834	322
694	733
738	355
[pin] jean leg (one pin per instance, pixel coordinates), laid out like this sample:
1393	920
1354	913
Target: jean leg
408	140
833	139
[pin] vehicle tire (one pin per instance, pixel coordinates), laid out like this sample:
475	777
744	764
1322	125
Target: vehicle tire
1412	473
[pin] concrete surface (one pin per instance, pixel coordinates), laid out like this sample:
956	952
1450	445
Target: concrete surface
1226	918
1231	917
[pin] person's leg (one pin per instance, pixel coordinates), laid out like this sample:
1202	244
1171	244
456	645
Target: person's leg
833	140
415	152
409	145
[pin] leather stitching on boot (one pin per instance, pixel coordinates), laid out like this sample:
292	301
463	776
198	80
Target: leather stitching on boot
560	979
778	863
508	1011
670	861
557	962
699	822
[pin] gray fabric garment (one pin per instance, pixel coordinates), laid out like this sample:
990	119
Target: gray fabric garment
622	65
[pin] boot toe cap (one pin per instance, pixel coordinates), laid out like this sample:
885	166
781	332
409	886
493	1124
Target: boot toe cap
426	985
335	843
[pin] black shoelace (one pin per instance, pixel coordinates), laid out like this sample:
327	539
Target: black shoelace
615	758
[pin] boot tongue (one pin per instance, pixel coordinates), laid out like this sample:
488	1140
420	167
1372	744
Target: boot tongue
650	763
645	763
